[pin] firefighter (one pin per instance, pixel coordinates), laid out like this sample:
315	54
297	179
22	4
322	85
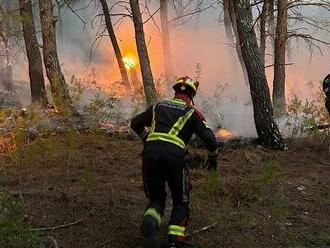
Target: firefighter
326	89
172	123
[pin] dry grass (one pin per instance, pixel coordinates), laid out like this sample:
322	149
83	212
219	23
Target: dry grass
262	198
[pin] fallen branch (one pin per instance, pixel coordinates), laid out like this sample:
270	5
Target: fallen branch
326	163
53	228
320	127
205	228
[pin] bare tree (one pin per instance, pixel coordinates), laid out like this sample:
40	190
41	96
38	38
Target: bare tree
280	52
167	58
148	80
115	44
55	76
37	82
266	127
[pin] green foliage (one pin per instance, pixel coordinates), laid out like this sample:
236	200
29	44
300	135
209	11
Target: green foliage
77	88
269	174
304	116
88	179
2	103
213	182
320	238
13	231
99	106
102	111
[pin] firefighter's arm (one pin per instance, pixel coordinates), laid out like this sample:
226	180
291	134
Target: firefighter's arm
326	86
204	132
327	104
141	121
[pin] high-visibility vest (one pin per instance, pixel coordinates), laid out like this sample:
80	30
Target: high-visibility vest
172	135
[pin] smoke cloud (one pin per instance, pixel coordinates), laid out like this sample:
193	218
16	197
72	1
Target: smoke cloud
199	48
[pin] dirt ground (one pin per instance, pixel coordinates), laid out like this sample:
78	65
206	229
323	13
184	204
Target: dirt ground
262	198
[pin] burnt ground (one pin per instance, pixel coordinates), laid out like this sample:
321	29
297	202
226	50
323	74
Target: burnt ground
262	198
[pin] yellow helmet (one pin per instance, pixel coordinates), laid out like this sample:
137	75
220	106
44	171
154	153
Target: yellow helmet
184	83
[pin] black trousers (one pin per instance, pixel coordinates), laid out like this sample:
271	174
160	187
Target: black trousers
160	168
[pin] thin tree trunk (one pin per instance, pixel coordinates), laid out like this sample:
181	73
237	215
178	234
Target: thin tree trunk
167	58
115	45
148	80
263	36
59	88
233	18
267	129
279	64
37	81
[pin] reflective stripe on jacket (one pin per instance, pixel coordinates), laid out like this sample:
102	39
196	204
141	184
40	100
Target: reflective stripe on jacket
174	122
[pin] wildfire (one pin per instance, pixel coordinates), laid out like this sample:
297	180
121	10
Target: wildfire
129	62
224	134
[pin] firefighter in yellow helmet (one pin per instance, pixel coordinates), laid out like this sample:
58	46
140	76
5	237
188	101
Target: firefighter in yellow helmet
171	123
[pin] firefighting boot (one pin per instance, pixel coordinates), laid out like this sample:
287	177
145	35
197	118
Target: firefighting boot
149	231
174	242
183	244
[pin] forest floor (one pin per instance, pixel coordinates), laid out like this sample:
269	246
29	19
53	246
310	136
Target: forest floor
262	198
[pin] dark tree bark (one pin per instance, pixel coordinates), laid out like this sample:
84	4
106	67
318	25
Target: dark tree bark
271	23
263	36
279	64
268	132
115	45
233	19
167	58
37	81
59	88
147	77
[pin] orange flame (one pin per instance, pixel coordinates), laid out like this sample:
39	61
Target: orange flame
223	133
129	62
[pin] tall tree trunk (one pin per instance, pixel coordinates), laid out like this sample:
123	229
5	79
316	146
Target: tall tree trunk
280	50
167	58
5	27
148	80
233	18
263	36
267	129
227	20
36	74
271	23
115	45
59	88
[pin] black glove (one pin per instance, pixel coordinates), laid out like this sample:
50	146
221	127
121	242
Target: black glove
144	136
212	162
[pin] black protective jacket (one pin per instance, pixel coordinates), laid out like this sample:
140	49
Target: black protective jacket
170	118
